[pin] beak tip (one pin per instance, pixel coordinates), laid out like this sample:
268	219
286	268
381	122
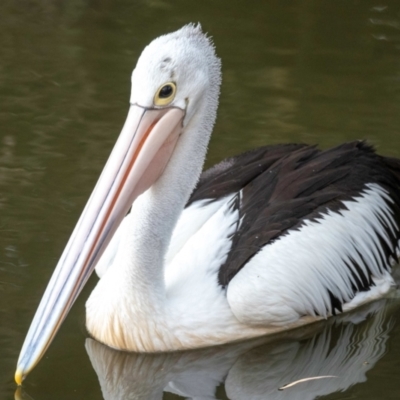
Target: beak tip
19	376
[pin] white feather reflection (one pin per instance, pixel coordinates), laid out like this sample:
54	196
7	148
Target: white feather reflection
346	347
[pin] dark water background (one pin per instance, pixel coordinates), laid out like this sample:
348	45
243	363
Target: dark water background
293	71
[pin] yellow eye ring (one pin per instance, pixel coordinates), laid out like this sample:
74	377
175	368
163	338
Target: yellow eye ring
165	94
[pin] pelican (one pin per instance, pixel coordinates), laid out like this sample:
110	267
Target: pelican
262	242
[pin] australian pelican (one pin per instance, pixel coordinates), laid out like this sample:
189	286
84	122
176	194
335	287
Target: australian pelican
265	241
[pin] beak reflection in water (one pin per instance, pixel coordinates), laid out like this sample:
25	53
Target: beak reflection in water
139	157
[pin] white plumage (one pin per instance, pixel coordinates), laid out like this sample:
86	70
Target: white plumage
290	277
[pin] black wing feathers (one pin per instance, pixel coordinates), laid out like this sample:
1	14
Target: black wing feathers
278	187
230	175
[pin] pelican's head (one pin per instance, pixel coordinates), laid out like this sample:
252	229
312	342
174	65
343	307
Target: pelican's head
175	83
177	70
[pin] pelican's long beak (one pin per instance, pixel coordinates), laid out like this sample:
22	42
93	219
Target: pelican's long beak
139	157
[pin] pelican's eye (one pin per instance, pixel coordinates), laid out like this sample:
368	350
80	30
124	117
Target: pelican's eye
165	94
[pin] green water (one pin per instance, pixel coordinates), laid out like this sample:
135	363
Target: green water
293	71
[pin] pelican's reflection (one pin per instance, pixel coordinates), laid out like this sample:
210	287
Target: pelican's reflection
345	347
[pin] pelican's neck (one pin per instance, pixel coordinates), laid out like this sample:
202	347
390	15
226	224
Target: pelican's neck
129	302
155	213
